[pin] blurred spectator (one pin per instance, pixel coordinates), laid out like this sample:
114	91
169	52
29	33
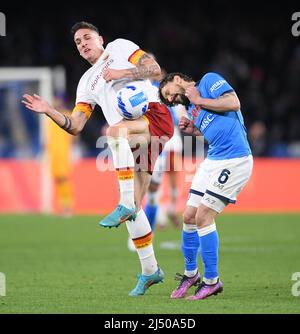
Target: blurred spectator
257	135
59	153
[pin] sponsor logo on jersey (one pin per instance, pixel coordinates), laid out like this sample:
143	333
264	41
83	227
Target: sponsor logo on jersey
217	85
98	76
206	121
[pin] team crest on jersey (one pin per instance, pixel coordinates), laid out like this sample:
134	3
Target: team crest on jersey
194	112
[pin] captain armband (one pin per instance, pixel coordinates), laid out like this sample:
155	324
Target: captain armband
136	56
86	108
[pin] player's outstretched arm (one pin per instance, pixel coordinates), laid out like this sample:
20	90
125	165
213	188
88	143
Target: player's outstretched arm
226	102
72	124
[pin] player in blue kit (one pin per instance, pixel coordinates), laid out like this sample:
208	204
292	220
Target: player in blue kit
214	112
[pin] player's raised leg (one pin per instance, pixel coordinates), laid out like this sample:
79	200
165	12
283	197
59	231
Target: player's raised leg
118	137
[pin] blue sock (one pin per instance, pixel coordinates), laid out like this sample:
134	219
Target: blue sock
209	247
189	247
151	212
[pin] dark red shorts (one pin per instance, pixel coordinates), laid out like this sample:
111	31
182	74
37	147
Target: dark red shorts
161	128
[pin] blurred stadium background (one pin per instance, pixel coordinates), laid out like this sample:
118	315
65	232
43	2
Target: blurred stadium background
254	49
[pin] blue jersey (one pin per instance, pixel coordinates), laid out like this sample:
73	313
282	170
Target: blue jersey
224	132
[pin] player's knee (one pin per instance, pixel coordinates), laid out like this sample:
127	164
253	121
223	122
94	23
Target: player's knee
204	216
117	131
201	221
153	187
189	216
110	131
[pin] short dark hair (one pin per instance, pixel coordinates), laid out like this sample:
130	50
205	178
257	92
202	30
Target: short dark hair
83	25
169	78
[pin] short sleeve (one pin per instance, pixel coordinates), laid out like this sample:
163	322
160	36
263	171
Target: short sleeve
83	101
85	108
130	50
216	85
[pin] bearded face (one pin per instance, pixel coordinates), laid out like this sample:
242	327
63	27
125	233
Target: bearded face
180	99
173	94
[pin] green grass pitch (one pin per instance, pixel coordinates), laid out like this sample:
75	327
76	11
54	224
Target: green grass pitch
56	265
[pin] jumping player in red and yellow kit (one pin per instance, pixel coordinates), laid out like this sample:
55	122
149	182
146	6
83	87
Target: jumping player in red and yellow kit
113	67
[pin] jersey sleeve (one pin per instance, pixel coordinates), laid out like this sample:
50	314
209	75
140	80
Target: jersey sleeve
130	50
86	108
216	85
83	102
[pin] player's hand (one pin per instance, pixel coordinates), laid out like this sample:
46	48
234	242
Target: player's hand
186	125
193	95
111	74
36	103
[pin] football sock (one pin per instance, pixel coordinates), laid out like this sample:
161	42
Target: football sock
151	208
141	235
126	187
209	246
189	247
124	164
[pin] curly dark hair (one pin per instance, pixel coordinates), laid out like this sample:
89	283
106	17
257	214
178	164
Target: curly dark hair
83	25
169	78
